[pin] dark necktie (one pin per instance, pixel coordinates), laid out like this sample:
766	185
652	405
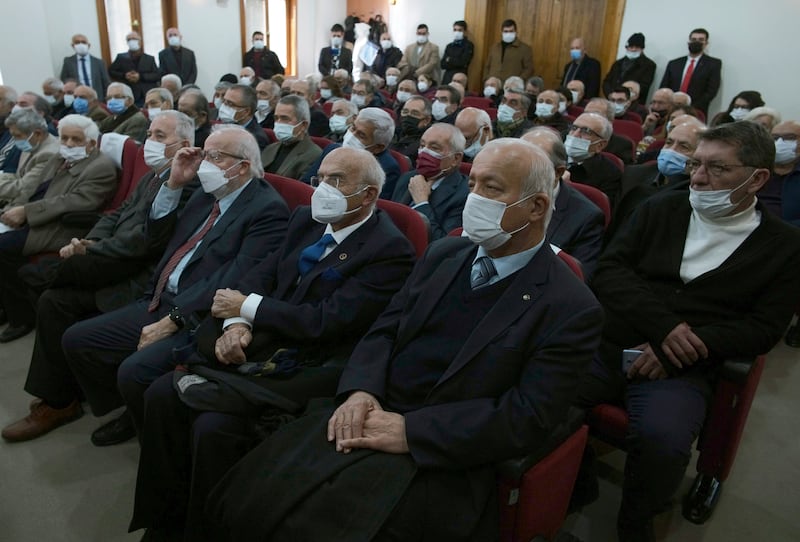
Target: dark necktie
178	256
571	73
84	73
312	253
482	272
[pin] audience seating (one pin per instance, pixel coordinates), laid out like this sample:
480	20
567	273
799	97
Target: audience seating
327	107
271	135
616	160
629	140
628	128
476	101
391	113
492	112
294	192
719	439
655	147
321	142
465	168
402	160
596	196
633	117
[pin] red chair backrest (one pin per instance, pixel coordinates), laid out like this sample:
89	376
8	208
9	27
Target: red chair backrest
402	160
574	111
476	101
321	142
655	146
492	111
631	116
629	129
327	107
616	160
409	222
629	140
571	262
294	192
597	197
391	113
271	135
465	168
133	169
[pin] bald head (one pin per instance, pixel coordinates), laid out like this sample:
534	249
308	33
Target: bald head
550	142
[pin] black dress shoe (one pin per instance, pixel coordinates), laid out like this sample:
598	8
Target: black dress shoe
12	333
114	432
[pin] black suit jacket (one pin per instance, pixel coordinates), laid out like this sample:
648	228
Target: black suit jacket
588	71
246	233
149	76
577	227
269	64
97	71
186	70
642	70
445	204
741	308
600	172
326	64
703	85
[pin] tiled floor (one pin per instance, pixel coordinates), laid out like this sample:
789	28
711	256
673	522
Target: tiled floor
61	487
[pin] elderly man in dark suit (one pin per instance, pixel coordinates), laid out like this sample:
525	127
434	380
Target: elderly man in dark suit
135	68
577	224
436	188
101	272
294	151
424	410
585	142
86	69
689	282
583	68
698	74
79	178
314	303
177	59
226	228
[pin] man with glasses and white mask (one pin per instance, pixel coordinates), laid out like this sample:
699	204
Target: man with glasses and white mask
586	139
476	126
226	228
294	151
690	281
288	326
239	106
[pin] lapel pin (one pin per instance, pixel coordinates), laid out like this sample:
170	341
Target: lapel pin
342	256
526	297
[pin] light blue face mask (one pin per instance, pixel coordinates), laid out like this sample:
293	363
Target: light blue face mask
81	106
116	105
671	162
24	145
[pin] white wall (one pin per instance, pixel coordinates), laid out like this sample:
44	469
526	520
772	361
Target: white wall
439	15
314	21
751	42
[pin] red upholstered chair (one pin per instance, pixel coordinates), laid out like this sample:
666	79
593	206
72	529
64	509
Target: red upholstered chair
492	111
597	197
631	116
476	101
574	111
616	160
656	145
132	170
629	129
292	191
270	135
391	113
321	142
402	160
408	221
465	168
719	439
327	107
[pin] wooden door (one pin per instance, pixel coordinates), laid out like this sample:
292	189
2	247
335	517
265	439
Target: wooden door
548	26
366	9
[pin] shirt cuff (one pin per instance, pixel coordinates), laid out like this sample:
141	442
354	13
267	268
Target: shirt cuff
235	320
250	307
418	205
165	201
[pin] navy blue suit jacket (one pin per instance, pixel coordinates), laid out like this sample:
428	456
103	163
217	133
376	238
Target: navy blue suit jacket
445	204
388	164
577	227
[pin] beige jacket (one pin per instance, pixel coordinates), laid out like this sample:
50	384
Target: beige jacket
518	60
412	65
21	185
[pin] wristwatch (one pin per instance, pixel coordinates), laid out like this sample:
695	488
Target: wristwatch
177	318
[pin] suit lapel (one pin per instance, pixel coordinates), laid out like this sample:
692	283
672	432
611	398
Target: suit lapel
268	156
562	202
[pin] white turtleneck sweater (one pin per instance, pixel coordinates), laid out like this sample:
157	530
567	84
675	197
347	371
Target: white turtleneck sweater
710	241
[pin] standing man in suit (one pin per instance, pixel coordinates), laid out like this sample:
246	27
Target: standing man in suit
336	56
101	272
458	53
420	58
226	228
691	280
583	68
634	66
698	74
421	397
388	57
577	224
436	188
88	70
294	151
135	68
177	59
510	56
264	62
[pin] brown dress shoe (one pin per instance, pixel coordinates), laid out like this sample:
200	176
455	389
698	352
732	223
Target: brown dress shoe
42	419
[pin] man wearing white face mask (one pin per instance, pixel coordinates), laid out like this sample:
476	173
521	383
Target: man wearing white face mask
78	178
422	390
421	57
781	194
86	69
585	142
247	76
177	59
436	188
633	66
135	68
343	113
261	59
157	100
387	59
104	270
294	151
341	253
336	56
446	104
548	113
690	281
476	127
512	120
268	93
225	229
510	56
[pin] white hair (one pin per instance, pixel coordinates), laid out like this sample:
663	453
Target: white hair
184	125
86	124
381	121
126	90
172	77
247	146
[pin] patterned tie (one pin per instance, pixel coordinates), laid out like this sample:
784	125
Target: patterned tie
687	77
84	73
178	256
482	272
312	253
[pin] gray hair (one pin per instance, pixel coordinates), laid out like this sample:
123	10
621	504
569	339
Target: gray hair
371	171
225	85
126	90
10	94
164	94
53	83
352	108
455	140
300	106
425	102
26	121
184	125
40	105
92	92
247	146
762	111
557	152
172	77
86	124
381	121
607	128
536	81
609	107
515	82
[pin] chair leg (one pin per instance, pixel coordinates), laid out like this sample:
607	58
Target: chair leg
700	501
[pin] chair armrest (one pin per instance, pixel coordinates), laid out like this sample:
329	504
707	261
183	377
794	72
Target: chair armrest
736	369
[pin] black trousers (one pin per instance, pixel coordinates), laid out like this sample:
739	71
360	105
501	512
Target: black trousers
15	296
184	454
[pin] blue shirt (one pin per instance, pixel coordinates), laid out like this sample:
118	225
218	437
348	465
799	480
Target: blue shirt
508	265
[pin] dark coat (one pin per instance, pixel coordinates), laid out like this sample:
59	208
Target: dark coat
577	228
268	65
186	70
145	65
588	71
444	205
642	70
704	84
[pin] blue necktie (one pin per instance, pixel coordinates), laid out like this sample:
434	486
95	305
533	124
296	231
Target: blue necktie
84	72
482	272
311	254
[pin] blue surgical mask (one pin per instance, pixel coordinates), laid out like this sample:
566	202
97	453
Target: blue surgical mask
575	54
671	162
116	105
505	113
81	106
24	145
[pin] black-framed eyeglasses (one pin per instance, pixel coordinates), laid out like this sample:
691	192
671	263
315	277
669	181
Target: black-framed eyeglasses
583	130
785	137
334	180
216	156
714	169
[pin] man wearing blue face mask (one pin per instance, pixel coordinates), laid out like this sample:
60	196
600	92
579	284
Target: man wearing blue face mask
125	119
422	396
547	112
633	66
294	151
86	103
781	194
86	69
691	280
582	67
28	130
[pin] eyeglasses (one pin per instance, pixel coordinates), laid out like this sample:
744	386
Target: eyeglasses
218	156
785	137
232	105
714	169
333	180
583	130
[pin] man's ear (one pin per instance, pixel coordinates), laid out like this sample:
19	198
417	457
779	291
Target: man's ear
760	178
540	207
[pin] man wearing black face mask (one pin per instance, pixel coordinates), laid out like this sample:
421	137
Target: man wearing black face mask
415	117
698	74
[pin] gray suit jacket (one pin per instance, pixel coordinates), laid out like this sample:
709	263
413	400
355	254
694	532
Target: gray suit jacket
19	187
97	71
300	158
